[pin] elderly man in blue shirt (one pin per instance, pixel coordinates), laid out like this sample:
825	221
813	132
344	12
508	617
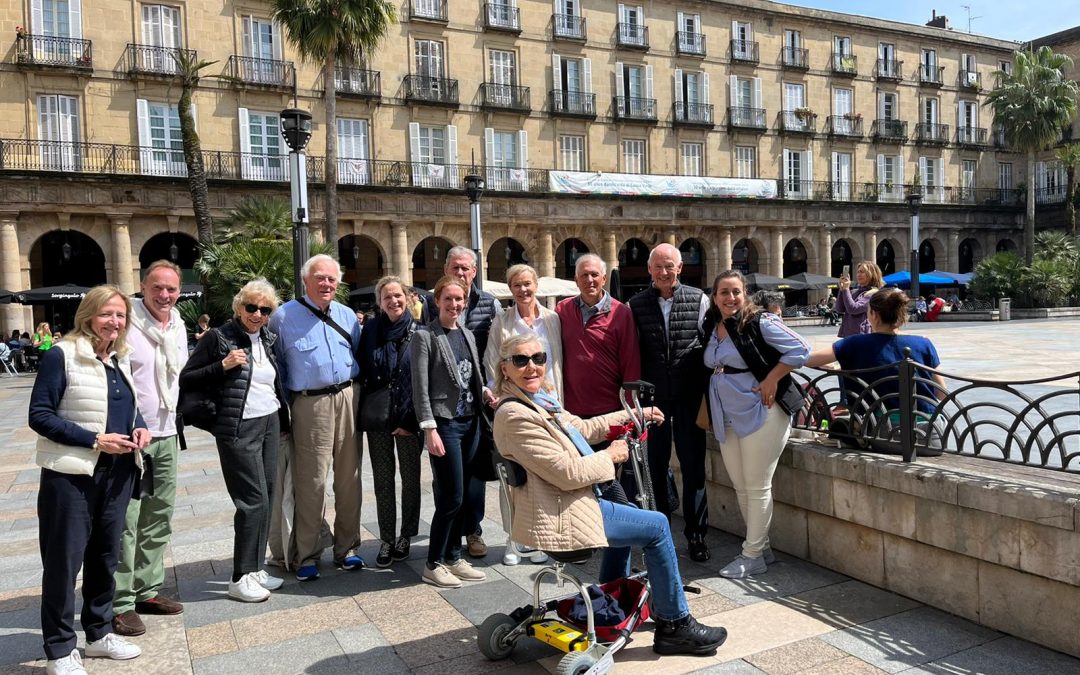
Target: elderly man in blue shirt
316	350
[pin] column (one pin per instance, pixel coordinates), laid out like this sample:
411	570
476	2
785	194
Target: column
825	252
673	239
952	254
776	259
870	245
723	261
545	254
11	278
400	261
610	252
121	252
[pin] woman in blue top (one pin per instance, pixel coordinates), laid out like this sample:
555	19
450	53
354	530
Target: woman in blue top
750	425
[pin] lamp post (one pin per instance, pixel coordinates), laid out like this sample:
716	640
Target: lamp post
474	188
296	130
914	200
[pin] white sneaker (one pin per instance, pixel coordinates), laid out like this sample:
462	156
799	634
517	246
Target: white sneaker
268	582
535	557
464	570
510	556
441	577
112	646
743	566
69	665
248	589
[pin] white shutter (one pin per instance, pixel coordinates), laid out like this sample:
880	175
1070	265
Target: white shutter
680	26
245	143
881	51
940	177
142	111
809	172
641	19
648	82
757	92
619	85
36	18
418	172
834	176
283	151
735	33
678	85
523	149
249	44
586	68
900	170
75	19
1040	175
733	94
785	167
959	115
489	157
705	88
880	171
881	105
452	156
556	72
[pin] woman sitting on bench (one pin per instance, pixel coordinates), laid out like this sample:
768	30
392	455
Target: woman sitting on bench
559	508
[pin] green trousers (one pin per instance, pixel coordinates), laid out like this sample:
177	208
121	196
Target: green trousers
140	572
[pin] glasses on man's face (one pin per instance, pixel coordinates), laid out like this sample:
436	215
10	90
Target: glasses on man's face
251	309
325	278
522	360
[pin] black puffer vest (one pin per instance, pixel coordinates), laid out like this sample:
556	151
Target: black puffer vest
761	357
671	359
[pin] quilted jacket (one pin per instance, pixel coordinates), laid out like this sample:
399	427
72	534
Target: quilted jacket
556	509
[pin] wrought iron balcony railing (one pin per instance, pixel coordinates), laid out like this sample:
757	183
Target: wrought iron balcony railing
151	60
931	76
434	90
357	82
796	122
249	70
971	136
846	125
746	118
926	132
634	35
893	131
568	26
845	64
744	51
635	108
889	69
54	52
428	10
692	44
505	97
687	112
795	58
970	79
501	16
573	103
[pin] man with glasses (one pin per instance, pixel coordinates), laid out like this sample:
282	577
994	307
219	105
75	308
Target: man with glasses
316	352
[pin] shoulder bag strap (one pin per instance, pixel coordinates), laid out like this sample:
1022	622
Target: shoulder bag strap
328	320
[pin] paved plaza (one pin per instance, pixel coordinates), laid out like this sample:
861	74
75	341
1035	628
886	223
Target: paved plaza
797	618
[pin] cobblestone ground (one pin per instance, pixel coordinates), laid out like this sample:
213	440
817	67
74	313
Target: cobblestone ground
797	618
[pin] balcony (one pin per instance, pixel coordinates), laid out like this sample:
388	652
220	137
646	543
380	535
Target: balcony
931	76
972	137
932	134
794	188
568	27
573	103
632	35
634	109
970	79
694	114
428	10
271	73
744	51
357	83
801	121
740	117
890	131
148	60
504	97
884	192
501	16
46	51
845	126
845	65
794	58
431	90
690	44
889	70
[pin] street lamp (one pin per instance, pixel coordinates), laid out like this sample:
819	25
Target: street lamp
474	188
914	200
296	130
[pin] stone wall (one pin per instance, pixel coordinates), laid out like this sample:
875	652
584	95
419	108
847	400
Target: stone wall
994	543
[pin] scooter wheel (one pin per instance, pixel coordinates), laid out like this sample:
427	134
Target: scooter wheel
575	663
491	637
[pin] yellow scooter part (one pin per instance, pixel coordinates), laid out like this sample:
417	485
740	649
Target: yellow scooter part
559	635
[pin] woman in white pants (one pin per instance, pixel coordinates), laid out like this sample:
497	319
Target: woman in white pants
751	353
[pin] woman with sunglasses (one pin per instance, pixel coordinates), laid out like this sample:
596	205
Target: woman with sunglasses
234	366
559	508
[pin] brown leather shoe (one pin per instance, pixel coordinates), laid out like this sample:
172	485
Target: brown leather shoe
159	604
128	624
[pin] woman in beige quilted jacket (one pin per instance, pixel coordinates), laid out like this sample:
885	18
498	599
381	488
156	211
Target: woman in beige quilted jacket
560	509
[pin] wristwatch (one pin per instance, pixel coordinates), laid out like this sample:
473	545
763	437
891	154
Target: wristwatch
95	445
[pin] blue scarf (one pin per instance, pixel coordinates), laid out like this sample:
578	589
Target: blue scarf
551	404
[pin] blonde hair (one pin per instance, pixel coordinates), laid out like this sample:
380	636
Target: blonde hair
258	288
508	347
872	271
519	269
91	304
386	281
43	324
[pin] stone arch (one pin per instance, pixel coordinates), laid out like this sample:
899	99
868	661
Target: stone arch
931	254
363	260
633	266
796	258
1006	245
501	256
566	255
747	255
428	260
889	256
842	256
176	247
968	255
64	257
695	263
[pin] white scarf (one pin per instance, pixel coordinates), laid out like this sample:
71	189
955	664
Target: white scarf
166	360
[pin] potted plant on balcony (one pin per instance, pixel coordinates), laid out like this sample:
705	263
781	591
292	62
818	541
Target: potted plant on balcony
853	117
20	31
805	114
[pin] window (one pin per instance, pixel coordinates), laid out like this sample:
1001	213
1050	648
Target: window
841	176
503	77
932	175
1005	178
352	137
798	174
161	145
261	146
1006	67
160	28
692	156
745	162
434	154
968	65
429	58
633	152
842	46
742	40
502	13
890	177
262	44
691	41
56	18
572	80
692	96
930	112
632	25
967	180
887	65
634	86
568	22
572	153
1050	181
793	54
507	154
929	66
967	121
746	101
58	129
429	9
843	109
887	106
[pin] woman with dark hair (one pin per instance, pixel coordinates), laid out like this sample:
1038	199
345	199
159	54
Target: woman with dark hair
752	398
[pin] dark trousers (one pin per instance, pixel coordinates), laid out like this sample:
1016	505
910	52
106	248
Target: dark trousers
384	466
80	519
679	422
249	466
450	475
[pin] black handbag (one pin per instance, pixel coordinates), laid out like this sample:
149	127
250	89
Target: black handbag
197	408
376	409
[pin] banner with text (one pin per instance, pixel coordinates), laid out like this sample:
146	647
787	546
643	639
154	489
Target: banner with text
576	182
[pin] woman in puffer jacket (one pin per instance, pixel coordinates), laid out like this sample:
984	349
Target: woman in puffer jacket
234	366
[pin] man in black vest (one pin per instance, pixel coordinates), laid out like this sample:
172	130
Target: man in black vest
669	318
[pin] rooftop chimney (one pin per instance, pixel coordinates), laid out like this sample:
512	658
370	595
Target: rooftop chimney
938	21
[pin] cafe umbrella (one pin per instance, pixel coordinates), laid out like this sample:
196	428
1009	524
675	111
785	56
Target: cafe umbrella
50	294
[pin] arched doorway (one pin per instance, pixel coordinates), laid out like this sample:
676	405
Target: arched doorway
841	259
634	267
64	257
504	254
175	247
927	256
969	254
745	256
361	260
566	256
795	263
428	260
693	260
885	256
1006	246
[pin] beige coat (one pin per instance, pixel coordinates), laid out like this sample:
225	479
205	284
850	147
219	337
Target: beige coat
503	327
556	509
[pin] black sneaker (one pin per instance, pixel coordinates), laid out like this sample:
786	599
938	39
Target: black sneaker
699	551
401	549
687	637
384	558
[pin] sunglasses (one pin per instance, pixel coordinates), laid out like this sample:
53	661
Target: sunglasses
522	360
251	309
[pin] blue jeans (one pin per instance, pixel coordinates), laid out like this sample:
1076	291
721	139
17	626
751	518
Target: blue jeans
627	526
450	475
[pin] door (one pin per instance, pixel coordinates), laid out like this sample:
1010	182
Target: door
503	77
429	66
929	64
58	131
743	35
967	180
161	32
56	19
262	45
631	32
887	59
352	137
842	109
841	176
794	99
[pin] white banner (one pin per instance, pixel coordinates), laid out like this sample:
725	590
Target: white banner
576	182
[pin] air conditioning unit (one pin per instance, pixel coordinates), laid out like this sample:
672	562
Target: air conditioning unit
972	78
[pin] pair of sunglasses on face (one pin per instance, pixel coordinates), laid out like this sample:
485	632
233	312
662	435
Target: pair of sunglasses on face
522	360
251	309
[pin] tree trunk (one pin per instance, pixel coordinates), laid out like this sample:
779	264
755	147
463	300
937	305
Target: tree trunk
330	168
193	158
1029	221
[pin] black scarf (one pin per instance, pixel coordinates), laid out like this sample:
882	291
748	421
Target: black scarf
389	332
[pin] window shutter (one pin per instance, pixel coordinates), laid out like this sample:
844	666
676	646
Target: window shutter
648	82
523	149
940	177
757	92
75	19
453	174
249	43
586	70
36	19
245	142
960	115
414	153
556	72
680	24
834	171
881	105
640	15
733	94
809	177
705	88
489	156
734	30
880	170
785	170
899	159
142	111
678	85
619	84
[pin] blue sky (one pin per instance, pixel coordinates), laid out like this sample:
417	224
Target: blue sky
1006	19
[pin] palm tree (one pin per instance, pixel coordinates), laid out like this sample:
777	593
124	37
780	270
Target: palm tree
1069	156
190	71
1031	106
329	32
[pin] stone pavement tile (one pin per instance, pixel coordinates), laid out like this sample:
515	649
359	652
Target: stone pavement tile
708	604
206	600
212	639
785	577
470	664
222	548
298	622
23	547
1005	656
20	579
638	657
437	648
367	651
165	650
20	635
910	638
849	666
20	562
762	626
23	668
20	598
848	604
429	635
13	514
287	657
402	601
28	489
477	602
730	668
796	657
28	477
213	530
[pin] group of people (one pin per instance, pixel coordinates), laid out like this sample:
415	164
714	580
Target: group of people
23	350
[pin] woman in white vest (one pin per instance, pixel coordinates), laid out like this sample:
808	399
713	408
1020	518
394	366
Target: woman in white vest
90	435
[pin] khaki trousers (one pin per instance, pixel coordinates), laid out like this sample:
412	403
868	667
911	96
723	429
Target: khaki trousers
324	435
